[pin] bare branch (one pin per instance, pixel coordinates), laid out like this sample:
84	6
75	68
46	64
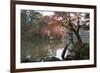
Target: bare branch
71	26
66	26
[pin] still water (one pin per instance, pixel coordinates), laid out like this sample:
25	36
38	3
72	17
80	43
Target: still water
41	48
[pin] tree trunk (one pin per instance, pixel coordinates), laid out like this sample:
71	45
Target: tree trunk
79	39
80	43
64	51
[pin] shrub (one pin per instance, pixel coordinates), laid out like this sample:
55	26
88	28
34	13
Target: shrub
80	53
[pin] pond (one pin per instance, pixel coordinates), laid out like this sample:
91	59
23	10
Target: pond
39	49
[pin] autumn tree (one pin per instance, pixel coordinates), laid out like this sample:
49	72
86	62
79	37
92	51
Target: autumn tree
74	21
53	29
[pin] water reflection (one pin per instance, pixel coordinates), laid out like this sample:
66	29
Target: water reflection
39	49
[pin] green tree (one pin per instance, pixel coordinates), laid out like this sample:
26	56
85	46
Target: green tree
31	23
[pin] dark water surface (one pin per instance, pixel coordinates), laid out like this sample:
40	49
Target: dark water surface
38	49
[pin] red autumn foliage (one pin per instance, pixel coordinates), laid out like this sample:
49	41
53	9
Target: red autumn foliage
53	28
